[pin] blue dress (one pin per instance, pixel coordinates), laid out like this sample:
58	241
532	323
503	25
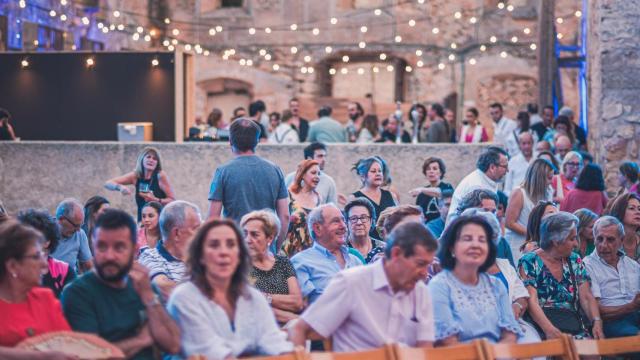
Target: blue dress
471	312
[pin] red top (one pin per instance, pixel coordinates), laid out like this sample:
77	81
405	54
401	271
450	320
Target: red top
576	199
40	313
567	185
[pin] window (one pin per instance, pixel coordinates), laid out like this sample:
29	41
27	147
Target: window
231	3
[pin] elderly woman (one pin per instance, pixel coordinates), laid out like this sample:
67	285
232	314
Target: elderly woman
586	220
360	215
150	181
558	282
370	171
535	188
26	309
149	232
588	192
626	208
219	314
433	169
565	181
58	274
507	274
470	303
303	197
272	274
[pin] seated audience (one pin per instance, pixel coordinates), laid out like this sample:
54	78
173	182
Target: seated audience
535	188
615	280
588	192
26	309
507	274
565	181
57	274
556	278
272	274
219	314
628	177
370	306
303	198
360	215
427	196
436	226
149	233
469	303
487	201
586	220
93	208
491	167
396	215
179	220
542	209
626	208
116	301
317	265
73	247
370	171
472	132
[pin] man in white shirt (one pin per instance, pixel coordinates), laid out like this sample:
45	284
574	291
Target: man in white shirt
382	303
326	187
519	164
503	127
615	280
492	165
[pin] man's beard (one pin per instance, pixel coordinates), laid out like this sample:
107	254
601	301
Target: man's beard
122	272
353	117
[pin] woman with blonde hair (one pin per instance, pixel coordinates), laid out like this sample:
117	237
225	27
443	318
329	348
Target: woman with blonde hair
303	197
150	181
272	274
523	198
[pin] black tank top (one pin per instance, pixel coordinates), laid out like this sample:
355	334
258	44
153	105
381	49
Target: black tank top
153	185
386	200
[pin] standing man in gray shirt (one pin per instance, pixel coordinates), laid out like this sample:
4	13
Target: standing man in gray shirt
327	129
248	182
439	130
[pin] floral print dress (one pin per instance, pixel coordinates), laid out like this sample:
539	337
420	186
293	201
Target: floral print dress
551	292
298	237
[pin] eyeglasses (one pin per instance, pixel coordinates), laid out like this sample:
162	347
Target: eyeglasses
363	219
574	164
506	166
76	226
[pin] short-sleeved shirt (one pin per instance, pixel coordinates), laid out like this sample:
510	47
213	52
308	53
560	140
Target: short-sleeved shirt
60	274
247	183
327	130
429	204
73	249
275	280
315	266
160	262
114	314
359	310
39	314
471	311
613	286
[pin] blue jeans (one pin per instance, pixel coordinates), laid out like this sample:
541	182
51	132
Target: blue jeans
627	326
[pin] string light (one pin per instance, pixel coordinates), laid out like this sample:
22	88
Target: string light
389	68
345	58
242	62
420	63
377	12
249	62
175	32
294	50
493	39
483	47
100	25
105	29
526	31
155	62
212	32
219	28
559	20
22	4
533	46
24	63
412	23
408	68
171	48
147	38
116	14
63	17
112	27
472	61
344	71
207	52
293	27
315	31
333	21
267	57
418	52
252	31
454	45
362	44
457	15
328	49
383	56
262	52
398	38
332	71
275	67
376	69
135	36
140	29
501	5
90	62
267	30
187	47
435	30
360	71
303	70
503	54
52	13
165	43
510	8
363	29
310	70
121	28
452	57
63	2
441	66
307	58
578	13
174	42
514	39
85	20
167	21
473	20
559	36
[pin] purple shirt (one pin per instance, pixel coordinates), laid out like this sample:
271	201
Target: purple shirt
360	311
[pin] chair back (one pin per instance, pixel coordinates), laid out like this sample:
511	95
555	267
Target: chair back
561	347
471	351
608	347
384	353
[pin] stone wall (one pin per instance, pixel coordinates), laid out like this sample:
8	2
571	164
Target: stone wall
614	83
40	174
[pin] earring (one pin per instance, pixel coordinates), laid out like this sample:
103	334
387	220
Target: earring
14	275
453	255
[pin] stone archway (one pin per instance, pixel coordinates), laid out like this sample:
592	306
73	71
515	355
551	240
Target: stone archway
225	94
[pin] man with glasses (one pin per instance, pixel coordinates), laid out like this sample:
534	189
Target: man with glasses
73	247
317	265
360	215
491	167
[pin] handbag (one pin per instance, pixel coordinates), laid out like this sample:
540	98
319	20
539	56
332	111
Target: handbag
569	321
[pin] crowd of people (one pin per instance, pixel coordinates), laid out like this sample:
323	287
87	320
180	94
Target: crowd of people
524	248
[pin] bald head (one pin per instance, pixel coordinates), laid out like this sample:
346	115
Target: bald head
543	145
563	146
525	141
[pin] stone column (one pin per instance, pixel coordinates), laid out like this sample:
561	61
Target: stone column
614	83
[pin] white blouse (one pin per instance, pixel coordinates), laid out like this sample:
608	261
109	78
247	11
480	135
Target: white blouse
206	329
